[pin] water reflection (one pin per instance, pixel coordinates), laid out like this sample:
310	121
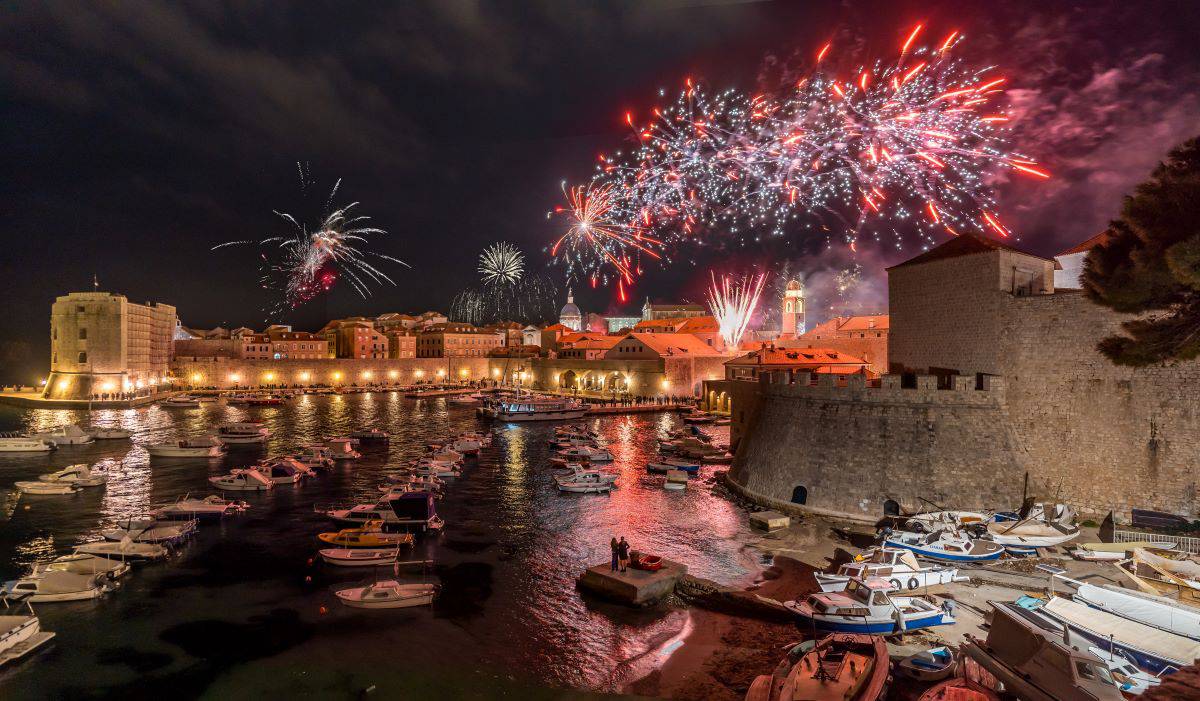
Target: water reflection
509	556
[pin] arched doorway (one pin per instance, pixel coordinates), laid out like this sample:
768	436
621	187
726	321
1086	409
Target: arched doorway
567	380
616	382
891	507
800	495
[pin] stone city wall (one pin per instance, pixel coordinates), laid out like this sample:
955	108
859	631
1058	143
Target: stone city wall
850	450
329	371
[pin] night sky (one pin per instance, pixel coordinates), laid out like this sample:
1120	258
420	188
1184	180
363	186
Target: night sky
136	136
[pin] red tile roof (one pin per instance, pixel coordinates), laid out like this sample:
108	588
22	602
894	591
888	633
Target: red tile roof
674	344
1088	245
799	357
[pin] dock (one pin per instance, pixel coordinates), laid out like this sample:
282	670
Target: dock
632	587
595	410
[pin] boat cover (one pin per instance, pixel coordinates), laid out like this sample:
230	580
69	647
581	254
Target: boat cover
1168	646
55	582
1184	569
1160	613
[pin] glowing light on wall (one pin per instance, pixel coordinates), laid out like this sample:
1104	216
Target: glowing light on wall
337	375
269	377
107	387
234	378
462	373
196	377
419	373
63	385
366	374
304	377
393	374
441	373
666	384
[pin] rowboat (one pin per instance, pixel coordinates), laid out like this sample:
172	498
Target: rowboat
365	557
387	594
839	667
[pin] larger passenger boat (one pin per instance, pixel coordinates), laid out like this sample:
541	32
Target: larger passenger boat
530	409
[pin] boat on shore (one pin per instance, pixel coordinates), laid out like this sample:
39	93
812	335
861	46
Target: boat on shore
841	666
899	567
959	689
20	633
1153	649
868	607
18	443
387	594
945	545
207	447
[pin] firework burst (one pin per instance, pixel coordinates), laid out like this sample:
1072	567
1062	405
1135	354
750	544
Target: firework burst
878	149
309	261
501	264
733	304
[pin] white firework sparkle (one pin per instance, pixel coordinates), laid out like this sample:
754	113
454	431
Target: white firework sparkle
501	264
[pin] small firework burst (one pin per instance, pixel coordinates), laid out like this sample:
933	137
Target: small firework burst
733	302
501	264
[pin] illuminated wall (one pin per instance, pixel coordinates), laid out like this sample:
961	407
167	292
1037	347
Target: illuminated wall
328	371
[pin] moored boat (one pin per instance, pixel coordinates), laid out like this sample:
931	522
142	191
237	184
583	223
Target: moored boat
64	435
46	488
182	401
211	506
17	443
206	447
242	481
42	586
124	549
539	410
370	434
80	475
20	634
371	535
243	433
387	594
102	433
363	557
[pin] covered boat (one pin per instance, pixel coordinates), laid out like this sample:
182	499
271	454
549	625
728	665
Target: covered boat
1153	649
46	586
84	563
899	567
206	447
80	475
283	470
1155	611
124	549
839	667
103	433
242	481
211	506
867	607
64	435
48	488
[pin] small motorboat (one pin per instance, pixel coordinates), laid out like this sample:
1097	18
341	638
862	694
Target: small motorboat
945	545
362	557
586	482
370	434
899	567
84	563
959	689
207	447
931	521
102	433
43	586
315	457
20	634
182	401
282	471
242	481
1032	534
78	475
64	435
124	549
649	563
211	506
243	433
840	666
867	607
342	449
151	530
387	594
931	665
41	488
17	443
586	453
371	535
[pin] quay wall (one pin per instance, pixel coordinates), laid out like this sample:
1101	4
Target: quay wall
229	373
860	451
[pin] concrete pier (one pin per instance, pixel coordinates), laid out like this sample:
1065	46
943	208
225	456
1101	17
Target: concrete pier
633	587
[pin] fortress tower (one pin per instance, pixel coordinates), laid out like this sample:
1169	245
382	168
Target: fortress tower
793	310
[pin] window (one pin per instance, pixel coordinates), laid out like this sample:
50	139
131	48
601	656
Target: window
54	333
79	309
82	357
83	334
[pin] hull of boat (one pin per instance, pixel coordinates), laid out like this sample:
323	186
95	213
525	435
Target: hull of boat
44	488
935	554
26	447
67	596
902	581
240	486
113	553
422	599
211	452
242	440
542	416
843	624
363	558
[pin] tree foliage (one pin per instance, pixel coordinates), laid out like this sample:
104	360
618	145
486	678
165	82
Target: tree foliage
1150	265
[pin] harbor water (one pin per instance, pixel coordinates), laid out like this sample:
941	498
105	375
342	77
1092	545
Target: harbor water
246	609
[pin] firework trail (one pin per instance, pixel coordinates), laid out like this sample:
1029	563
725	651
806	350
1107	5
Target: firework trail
308	262
733	304
501	264
901	144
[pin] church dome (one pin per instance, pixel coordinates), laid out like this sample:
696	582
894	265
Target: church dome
794	285
570	310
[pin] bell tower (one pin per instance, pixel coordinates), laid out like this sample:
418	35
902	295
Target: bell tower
793	310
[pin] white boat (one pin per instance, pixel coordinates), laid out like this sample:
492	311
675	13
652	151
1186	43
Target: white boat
250	480
867	607
80	475
342	448
387	594
466	446
940	520
932	665
283	471
369	434
315	457
45	586
124	549
101	433
591	482
242	433
151	530
899	567
206	447
946	545
360	557
84	563
16	443
1126	674
1031	533
1153	649
211	506
64	435
182	401
445	455
40	487
539	410
239	399
576	470
1155	611
20	634
586	453
410	509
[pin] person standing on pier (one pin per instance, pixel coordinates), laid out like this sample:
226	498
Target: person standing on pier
615	559
623	553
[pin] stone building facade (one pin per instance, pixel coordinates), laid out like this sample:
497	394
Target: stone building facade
101	343
231	373
998	389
